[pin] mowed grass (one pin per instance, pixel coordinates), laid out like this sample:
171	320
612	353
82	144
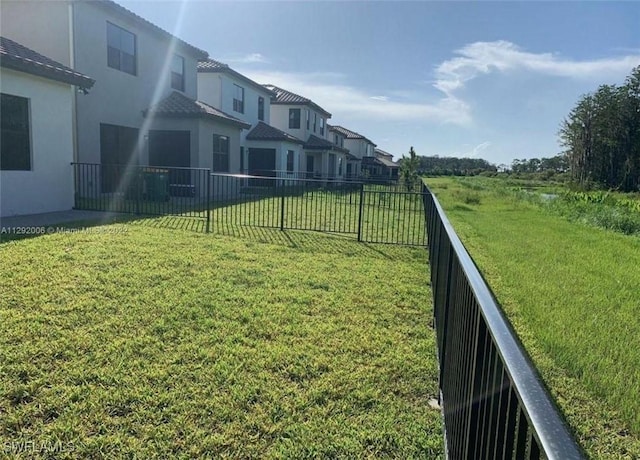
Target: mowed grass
155	342
572	292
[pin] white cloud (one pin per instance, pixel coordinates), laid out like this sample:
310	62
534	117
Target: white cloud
474	152
481	58
253	58
330	91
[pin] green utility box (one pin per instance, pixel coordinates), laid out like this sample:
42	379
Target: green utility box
155	184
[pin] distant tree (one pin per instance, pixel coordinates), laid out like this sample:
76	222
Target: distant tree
601	136
409	170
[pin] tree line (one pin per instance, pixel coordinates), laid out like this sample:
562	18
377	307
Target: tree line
602	136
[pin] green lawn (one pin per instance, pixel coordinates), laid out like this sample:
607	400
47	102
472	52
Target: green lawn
154	341
572	292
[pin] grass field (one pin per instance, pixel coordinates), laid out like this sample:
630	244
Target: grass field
143	340
572	292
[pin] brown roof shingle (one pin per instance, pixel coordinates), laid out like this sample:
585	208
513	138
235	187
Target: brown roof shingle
177	105
282	96
348	133
265	132
15	56
318	143
213	66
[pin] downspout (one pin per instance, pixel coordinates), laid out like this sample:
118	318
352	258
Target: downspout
72	64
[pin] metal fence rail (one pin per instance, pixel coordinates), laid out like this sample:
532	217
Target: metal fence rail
495	405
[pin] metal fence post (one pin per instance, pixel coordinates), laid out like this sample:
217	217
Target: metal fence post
282	205
208	203
360	212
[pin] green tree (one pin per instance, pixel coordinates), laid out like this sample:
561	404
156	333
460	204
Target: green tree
409	170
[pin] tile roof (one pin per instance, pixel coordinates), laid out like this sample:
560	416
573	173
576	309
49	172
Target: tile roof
114	7
379	161
265	132
387	162
177	105
318	143
383	153
282	96
17	57
213	66
348	133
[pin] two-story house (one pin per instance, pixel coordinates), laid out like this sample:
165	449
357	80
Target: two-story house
143	108
264	149
300	117
358	145
36	140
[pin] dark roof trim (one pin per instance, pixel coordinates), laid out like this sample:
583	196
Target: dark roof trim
213	66
15	56
130	15
177	105
284	97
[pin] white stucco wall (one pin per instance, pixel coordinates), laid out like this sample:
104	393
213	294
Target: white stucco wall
48	186
210	89
46	30
280	120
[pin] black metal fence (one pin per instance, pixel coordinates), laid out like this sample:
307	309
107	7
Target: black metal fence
495	405
376	213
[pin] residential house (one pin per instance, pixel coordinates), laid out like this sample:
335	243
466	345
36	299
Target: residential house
264	149
143	108
383	166
303	119
36	118
358	145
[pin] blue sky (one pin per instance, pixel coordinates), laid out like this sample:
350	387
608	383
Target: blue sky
490	80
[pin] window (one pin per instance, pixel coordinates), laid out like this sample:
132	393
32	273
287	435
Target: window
337	142
242	160
290	154
308	117
261	108
238	99
294	118
315	121
321	126
121	49
15	149
340	166
220	153
177	72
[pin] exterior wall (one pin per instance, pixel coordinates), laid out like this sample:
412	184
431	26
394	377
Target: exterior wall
281	148
47	30
207	128
210	89
280	120
132	93
359	147
48	186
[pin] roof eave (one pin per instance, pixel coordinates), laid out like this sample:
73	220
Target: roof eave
83	82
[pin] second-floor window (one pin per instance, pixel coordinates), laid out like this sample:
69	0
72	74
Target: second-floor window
177	72
315	121
337	142
321	126
121	49
306	111
260	108
238	98
220	153
294	118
